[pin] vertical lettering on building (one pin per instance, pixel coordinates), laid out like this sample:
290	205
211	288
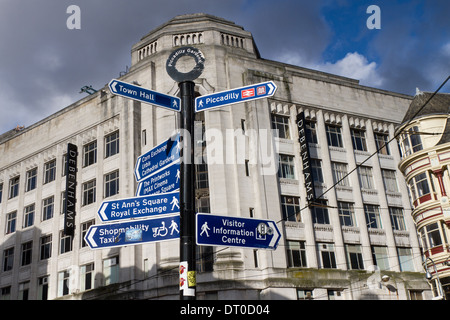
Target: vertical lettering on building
306	159
71	187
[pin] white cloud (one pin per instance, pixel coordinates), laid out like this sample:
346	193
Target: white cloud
353	65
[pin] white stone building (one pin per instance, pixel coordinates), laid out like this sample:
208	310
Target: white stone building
360	244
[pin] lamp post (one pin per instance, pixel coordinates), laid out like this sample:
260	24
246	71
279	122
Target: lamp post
429	276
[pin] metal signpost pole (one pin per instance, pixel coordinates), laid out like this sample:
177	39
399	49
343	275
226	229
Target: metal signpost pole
187	186
187	192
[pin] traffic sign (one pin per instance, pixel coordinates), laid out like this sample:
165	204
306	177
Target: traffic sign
140	207
138	93
133	232
243	94
214	230
158	158
166	180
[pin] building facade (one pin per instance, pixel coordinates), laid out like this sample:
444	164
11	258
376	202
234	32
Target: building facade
425	146
356	241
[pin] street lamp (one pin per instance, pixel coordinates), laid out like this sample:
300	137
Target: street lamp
429	276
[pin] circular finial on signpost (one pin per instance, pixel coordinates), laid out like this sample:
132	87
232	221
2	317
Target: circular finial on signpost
183	52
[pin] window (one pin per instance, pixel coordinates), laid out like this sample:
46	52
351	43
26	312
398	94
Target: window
84	229
89	191
311	131
8	259
346	214
304	294
112	144
24	289
334	136
90	153
405	259
49	171
28	219
296	254
63	283
13	187
419	186
205	258
65	243
389	180
410	141
5	293
359	139
340	172
201	176
354	256
11	219
111	184
365	177
46	247
397	219
381	142
202	204
281	124
1	192
286	167
431	236
64	165
111	270
43	288
31	179
290	208
326	255
316	168
87	277
373	218
380	257
415	294
47	208
319	212
26	251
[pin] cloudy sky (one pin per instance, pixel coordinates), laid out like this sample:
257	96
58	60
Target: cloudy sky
44	64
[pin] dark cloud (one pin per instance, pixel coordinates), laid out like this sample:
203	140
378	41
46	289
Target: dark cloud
43	64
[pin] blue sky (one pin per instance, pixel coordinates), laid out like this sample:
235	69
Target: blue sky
44	64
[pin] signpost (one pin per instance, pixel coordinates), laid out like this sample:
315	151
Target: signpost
158	158
243	94
166	180
138	93
133	232
140	207
214	230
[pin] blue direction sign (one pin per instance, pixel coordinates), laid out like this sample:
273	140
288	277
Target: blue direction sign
220	99
165	180
138	93
140	207
133	232
158	158
213	230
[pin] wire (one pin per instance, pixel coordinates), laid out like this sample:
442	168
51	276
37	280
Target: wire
376	152
311	204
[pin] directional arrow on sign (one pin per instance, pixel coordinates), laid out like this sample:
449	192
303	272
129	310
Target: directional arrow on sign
133	232
214	230
243	94
138	93
158	158
140	207
165	180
